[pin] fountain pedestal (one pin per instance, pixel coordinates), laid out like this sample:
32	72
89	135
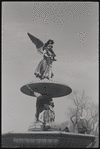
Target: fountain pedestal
35	137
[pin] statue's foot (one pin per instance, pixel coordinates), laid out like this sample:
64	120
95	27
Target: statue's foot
38	76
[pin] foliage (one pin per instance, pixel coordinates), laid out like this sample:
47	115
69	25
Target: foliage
82	106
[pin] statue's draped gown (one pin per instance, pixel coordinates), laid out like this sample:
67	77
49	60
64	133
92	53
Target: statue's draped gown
44	68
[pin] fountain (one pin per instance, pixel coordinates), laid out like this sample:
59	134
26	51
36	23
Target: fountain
36	136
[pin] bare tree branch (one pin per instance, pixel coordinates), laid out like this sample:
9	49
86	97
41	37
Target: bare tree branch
83	104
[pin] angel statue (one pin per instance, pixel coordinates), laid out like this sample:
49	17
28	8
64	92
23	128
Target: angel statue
44	68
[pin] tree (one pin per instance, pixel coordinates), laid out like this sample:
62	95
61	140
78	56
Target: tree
92	116
82	106
79	103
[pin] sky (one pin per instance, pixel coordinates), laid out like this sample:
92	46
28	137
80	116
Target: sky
74	28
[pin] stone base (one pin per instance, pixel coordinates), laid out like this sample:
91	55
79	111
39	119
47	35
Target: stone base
35	127
46	139
38	127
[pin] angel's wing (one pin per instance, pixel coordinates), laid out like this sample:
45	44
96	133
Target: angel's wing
38	43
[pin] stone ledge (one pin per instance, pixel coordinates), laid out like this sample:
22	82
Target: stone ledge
53	139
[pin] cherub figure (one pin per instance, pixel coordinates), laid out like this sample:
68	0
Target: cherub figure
44	68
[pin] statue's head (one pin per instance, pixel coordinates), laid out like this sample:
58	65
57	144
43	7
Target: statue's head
49	43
